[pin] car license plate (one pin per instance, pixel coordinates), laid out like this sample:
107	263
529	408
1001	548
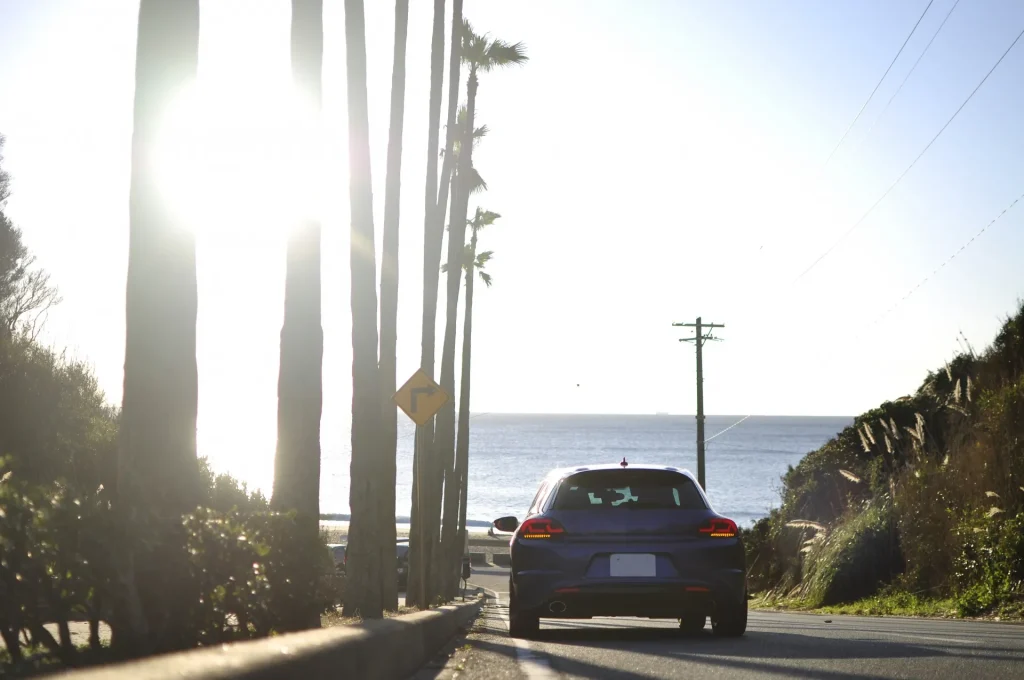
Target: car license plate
632	564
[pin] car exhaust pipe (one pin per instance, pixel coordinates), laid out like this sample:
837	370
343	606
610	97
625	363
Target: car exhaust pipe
556	607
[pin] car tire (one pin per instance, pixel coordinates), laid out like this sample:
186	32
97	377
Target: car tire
692	624
522	624
731	621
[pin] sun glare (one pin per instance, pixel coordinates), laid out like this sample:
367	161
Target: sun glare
229	163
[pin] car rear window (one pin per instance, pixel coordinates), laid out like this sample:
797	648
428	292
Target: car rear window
628	489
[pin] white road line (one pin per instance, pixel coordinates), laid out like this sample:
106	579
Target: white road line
534	665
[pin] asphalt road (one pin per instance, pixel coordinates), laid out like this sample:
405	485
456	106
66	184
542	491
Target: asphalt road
776	645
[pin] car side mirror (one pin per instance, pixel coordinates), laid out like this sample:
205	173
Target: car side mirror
506	524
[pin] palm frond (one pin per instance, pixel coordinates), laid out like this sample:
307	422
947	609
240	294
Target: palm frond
475	182
500	54
486	278
482	218
483	258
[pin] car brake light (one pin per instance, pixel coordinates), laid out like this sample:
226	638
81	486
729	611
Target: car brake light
719	527
540	528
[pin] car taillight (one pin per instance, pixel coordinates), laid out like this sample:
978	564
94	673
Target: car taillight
541	528
719	527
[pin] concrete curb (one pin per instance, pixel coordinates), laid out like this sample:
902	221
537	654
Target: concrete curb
478	559
387	648
502	560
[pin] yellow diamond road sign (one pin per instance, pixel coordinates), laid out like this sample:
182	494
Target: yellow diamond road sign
420	398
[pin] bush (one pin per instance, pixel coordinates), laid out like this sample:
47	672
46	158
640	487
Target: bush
989	570
247	573
854	559
925	494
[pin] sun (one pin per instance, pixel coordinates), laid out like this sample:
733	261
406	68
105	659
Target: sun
228	162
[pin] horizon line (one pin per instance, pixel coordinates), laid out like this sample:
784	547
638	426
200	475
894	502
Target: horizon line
475	414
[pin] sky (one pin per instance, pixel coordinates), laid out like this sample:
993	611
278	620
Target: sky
653	162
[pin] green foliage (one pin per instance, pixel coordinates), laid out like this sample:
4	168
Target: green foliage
989	569
224	493
245	567
854	560
247	573
54	421
923	495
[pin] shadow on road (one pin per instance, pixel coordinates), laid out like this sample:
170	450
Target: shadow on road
782	653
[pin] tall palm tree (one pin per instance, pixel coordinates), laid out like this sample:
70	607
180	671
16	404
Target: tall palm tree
157	466
363	592
474	262
482	54
467	180
389	314
300	378
425	527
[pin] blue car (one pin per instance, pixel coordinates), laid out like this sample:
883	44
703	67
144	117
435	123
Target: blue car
625	540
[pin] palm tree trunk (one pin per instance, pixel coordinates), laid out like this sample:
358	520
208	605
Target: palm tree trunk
300	377
389	314
462	445
414	591
157	465
415	595
300	393
157	454
363	590
426	502
444	437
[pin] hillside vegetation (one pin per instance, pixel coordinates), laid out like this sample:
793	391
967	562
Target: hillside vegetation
919	502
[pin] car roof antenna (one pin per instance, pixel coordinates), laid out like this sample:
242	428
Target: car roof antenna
623	463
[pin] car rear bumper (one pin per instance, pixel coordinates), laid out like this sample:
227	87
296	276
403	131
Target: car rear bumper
551	595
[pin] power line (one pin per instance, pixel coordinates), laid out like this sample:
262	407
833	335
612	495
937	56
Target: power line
949	259
721	432
912	164
879	83
912	68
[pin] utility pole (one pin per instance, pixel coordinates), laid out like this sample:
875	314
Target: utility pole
699	339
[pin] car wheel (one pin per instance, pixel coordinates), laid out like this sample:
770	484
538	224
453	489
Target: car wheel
731	621
521	624
692	624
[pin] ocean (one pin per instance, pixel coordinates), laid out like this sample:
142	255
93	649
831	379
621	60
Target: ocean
510	454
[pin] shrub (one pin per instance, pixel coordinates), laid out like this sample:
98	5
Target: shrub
247	573
854	559
989	570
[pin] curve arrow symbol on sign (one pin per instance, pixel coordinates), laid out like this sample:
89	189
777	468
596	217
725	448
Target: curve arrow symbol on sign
427	391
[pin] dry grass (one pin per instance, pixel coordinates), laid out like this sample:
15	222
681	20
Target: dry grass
335	618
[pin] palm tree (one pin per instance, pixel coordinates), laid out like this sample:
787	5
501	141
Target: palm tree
474	262
363	592
157	466
482	54
414	593
467	180
300	378
425	527
389	315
